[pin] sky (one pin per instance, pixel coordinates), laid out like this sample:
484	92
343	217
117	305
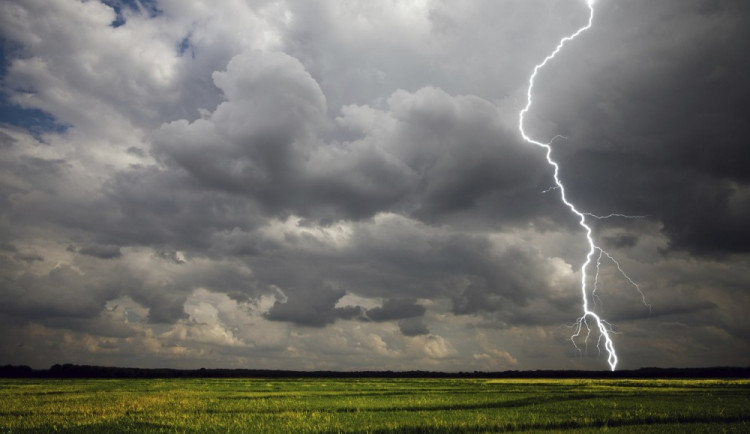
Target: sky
341	185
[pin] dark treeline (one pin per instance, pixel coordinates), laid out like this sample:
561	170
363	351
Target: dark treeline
86	371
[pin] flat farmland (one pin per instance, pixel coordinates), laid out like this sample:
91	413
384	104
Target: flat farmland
373	405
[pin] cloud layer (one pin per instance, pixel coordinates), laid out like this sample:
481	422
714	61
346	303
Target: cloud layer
343	186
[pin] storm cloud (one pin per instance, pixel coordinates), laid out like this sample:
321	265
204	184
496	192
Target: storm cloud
331	185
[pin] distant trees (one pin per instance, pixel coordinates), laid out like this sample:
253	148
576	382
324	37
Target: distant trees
87	371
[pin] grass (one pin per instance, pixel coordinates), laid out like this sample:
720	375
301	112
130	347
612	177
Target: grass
374	405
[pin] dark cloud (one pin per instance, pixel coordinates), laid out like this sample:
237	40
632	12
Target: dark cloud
513	278
164	208
396	308
657	126
413	327
7	247
620	241
432	154
63	292
28	257
317	310
166	303
101	251
678	308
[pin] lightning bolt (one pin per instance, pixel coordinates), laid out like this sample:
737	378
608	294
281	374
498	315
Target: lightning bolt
589	318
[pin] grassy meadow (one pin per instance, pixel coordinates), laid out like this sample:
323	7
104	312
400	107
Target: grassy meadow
373	405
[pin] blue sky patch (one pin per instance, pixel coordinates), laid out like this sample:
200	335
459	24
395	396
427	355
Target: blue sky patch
147	6
35	121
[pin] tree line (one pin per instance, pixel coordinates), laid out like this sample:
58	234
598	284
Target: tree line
88	371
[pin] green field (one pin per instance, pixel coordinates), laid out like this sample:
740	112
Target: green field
374	405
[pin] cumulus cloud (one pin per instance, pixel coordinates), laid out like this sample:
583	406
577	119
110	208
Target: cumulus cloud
250	144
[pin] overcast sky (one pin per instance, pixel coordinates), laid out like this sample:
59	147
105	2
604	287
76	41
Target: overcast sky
342	184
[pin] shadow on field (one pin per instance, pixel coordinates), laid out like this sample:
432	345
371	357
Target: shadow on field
513	403
683	425
107	427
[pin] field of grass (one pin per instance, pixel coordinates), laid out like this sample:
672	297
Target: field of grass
374	405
